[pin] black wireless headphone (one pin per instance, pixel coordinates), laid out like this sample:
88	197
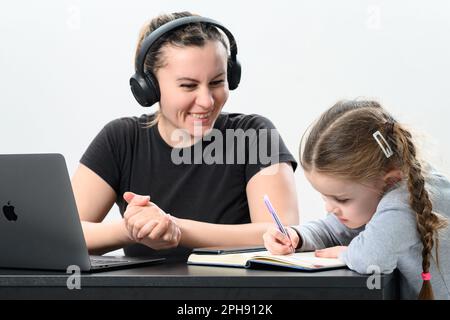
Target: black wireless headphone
144	85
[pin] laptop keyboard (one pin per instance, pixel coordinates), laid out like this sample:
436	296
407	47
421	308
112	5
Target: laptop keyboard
107	261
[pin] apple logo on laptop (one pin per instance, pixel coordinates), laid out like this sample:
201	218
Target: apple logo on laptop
8	211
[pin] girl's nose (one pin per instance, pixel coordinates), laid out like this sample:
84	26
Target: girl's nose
330	207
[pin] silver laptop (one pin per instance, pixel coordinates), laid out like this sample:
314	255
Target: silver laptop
39	223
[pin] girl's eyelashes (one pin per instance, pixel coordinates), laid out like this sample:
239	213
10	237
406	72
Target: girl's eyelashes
333	198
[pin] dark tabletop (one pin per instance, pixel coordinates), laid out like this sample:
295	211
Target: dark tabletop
181	281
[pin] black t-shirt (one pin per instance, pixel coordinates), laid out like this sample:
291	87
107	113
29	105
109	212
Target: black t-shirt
130	156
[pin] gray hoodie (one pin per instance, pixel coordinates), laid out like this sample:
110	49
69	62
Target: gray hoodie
390	240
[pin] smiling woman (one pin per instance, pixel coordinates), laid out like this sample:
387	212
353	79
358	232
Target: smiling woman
186	64
193	89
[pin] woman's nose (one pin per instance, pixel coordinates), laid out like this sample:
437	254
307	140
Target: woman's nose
205	98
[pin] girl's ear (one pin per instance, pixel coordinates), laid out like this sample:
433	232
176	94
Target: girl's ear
391	178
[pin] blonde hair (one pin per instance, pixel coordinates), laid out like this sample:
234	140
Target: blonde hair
341	144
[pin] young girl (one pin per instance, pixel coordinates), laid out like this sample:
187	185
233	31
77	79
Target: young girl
387	209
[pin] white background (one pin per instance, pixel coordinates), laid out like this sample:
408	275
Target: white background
65	66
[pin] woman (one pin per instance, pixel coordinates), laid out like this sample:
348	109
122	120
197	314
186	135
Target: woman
201	187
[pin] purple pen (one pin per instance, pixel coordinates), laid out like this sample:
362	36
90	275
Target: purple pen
276	218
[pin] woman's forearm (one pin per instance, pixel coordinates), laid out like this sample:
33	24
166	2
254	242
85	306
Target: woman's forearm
103	237
195	234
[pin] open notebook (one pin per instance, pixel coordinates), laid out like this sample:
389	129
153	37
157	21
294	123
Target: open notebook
305	261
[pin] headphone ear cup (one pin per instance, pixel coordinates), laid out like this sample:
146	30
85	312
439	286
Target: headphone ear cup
138	86
153	93
145	89
233	74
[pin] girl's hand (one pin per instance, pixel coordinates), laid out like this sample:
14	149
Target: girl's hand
277	243
332	252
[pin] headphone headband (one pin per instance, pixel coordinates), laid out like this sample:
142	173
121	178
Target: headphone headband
172	25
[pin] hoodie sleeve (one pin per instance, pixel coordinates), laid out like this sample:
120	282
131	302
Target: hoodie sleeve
389	233
325	233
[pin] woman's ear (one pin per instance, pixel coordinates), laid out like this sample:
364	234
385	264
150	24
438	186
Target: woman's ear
391	178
